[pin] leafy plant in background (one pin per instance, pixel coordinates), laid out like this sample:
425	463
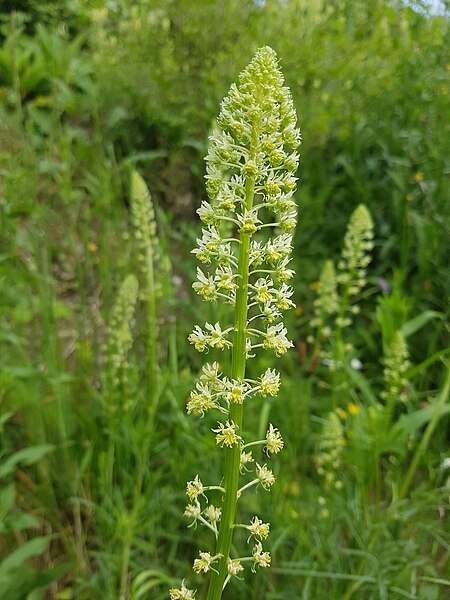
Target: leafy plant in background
250	175
338	296
129	406
18	579
364	440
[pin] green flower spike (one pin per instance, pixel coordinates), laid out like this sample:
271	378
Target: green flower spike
250	181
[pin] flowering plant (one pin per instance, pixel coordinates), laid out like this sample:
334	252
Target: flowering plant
250	181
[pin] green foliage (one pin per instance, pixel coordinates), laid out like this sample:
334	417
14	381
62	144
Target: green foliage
91	499
18	579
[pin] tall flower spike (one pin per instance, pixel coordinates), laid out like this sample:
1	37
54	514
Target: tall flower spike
250	180
120	335
326	303
356	252
328	459
143	218
144	221
396	365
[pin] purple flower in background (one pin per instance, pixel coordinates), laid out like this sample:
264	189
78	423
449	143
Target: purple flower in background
384	285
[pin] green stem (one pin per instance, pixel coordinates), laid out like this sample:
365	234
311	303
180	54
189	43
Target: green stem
152	368
338	347
440	402
233	454
152	399
124	568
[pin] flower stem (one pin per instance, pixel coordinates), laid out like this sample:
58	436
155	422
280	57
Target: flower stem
233	454
439	405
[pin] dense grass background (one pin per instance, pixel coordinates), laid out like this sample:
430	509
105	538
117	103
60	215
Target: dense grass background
93	468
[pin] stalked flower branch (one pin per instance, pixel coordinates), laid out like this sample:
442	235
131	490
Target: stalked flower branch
250	181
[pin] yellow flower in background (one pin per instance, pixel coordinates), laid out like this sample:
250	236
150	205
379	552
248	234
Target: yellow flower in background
418	177
92	247
408	197
353	409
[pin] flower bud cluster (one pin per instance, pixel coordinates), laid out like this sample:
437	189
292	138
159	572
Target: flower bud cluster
120	337
335	306
327	301
250	181
358	242
329	457
182	593
396	365
255	141
144	220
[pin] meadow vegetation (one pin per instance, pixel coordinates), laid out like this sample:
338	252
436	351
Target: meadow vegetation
105	113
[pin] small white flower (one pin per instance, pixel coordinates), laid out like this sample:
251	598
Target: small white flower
227	199
246	457
261	559
206	213
274	252
278	248
208	244
259	529
182	593
201	400
275	339
285	203
269	383
211	376
234	567
226	434
203	564
212	514
249	222
356	364
216	339
265	476
210	371
236	391
283	296
193	511
282	273
274	441
292	136
194	489
270	313
205	286
248	349
224	278
264	290
198	338
224	255
257	253
272	189
249	169
288	220
291	162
